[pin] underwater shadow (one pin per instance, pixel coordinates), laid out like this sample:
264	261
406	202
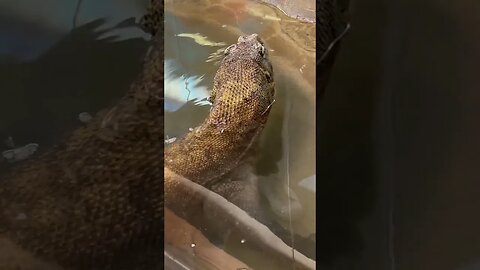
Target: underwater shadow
80	73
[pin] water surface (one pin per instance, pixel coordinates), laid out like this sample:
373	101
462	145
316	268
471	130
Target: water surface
195	37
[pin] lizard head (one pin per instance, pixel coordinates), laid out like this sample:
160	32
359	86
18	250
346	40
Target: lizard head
250	47
243	90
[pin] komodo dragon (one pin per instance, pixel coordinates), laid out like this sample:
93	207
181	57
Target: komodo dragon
216	154
96	201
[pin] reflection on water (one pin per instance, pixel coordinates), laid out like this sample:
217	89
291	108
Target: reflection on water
195	37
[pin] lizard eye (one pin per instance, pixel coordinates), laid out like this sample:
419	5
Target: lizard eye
261	51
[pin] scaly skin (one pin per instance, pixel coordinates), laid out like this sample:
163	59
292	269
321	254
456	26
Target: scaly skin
242	96
217	154
96	200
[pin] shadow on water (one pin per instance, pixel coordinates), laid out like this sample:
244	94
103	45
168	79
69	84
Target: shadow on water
41	99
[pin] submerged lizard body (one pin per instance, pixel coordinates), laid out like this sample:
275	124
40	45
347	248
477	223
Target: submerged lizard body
87	203
219	153
242	95
96	201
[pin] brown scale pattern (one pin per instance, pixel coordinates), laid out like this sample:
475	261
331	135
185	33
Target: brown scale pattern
96	201
219	154
215	154
242	95
78	205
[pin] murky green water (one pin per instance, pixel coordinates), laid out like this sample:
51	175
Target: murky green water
195	34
